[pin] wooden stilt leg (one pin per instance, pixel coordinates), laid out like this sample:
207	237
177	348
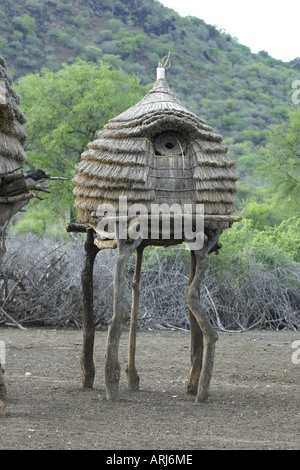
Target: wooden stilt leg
196	340
87	362
112	366
209	335
132	376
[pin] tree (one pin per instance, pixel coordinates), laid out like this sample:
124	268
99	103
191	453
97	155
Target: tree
25	22
282	162
130	44
64	111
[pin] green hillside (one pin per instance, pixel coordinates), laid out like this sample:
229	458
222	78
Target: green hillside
240	94
211	71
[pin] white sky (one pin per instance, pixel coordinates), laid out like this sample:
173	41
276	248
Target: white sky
269	25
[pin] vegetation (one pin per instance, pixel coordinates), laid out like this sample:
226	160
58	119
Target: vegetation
64	111
239	93
282	162
247	286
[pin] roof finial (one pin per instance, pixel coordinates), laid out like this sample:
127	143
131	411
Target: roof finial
163	64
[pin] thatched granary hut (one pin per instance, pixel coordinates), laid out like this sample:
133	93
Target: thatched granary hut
15	184
156	151
12	157
155	154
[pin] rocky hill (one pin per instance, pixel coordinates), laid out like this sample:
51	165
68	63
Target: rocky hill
240	94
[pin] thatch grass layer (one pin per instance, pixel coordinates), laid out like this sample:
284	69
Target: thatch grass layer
12	134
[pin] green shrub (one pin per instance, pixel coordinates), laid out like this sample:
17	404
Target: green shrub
25	22
271	246
35	6
82	19
92	53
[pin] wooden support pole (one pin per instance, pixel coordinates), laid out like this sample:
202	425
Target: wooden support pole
112	366
209	334
72	227
87	362
196	340
132	375
14	199
105	244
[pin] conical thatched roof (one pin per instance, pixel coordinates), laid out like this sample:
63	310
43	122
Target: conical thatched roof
12	134
156	152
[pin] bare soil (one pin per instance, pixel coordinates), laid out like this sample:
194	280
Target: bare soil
253	404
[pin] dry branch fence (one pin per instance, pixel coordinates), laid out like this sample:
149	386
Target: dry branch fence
40	285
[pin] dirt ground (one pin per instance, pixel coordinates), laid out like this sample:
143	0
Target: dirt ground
253	404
